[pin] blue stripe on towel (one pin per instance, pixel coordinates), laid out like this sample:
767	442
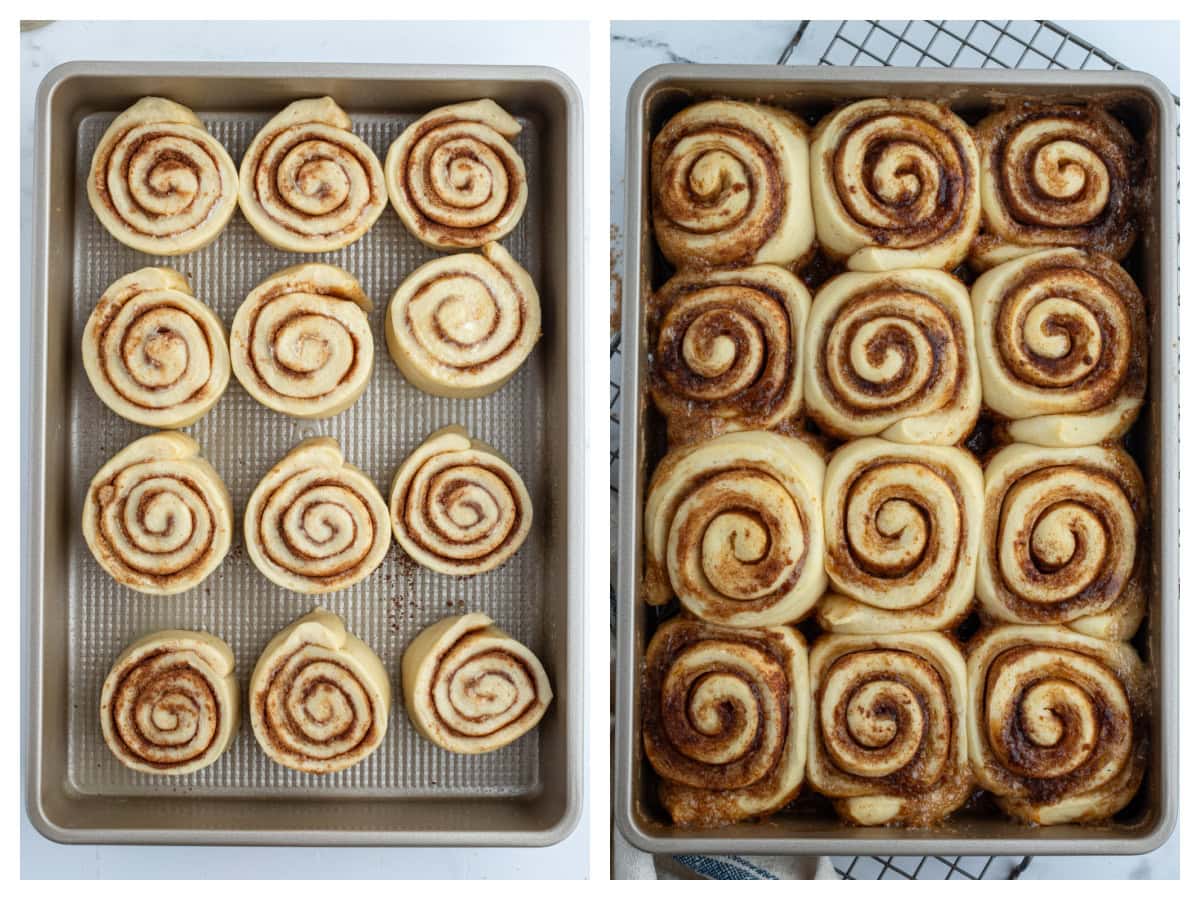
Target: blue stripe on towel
725	868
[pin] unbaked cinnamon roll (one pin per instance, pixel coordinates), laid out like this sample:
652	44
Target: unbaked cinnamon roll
315	523
154	353
453	177
1063	347
1061	542
308	183
725	719
159	182
319	696
729	186
470	688
728	350
457	506
157	516
460	326
895	185
893	354
733	529
1058	724
888	739
301	342
1057	176
901	537
170	704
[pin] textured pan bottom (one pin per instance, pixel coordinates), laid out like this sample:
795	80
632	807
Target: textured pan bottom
242	440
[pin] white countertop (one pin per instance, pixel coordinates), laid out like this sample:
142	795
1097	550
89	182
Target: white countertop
1150	46
561	45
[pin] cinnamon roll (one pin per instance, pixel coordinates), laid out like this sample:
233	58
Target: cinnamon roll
729	186
1061	542
895	185
308	183
319	696
1062	346
1059	722
725	719
733	528
470	688
315	523
157	516
453	177
159	182
893	354
1057	176
901	537
301	343
460	326
170	704
457	506
888	739
154	353
728	349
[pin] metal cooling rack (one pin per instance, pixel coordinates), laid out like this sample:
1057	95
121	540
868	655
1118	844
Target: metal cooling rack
1010	44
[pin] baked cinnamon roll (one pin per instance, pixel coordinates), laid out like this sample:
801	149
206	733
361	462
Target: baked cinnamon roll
888	739
455	179
319	696
1062	539
901	537
457	507
315	523
893	354
157	516
733	529
461	326
470	688
725	719
1063	347
159	182
170	704
1059	722
301	342
895	185
1057	176
729	186
154	353
308	183
728	350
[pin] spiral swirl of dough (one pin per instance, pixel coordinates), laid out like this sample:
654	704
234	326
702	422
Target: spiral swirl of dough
729	186
1063	346
893	354
301	342
170	703
159	182
728	349
457	506
724	719
315	523
1057	176
1058	724
895	185
901	537
154	353
889	727
157	516
733	529
461	326
1062	530
470	688
319	696
308	183
453	177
